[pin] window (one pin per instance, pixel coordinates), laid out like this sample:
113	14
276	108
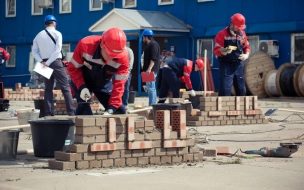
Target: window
208	45
66	47
10	8
95	5
36	10
204	0
11	63
254	44
128	3
65	6
297	48
165	2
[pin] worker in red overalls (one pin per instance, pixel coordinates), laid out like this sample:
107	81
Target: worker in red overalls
232	47
176	71
4	56
95	60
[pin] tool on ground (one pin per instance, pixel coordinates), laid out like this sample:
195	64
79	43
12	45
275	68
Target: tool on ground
285	150
272	111
140	110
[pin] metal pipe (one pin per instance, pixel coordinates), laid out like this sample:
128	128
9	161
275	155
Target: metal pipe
22	75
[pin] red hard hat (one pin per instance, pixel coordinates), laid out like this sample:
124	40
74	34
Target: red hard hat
239	21
114	40
200	64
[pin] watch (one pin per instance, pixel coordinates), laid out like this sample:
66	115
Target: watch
110	111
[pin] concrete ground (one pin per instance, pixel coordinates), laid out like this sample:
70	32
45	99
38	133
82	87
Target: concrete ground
30	172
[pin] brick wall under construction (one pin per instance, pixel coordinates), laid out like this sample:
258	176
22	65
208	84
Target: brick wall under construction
102	142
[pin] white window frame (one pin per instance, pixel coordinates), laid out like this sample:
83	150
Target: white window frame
201	1
209	52
7	11
95	9
60	7
33	8
292	50
254	37
165	3
129	6
11	63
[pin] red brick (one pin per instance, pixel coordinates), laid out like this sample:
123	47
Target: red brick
84	139
131	161
94	164
107	163
111	129
60	165
251	112
174	143
165	159
82	164
214	113
233	112
67	156
140	145
177	159
125	153
188	157
114	154
131	128
84	121
102	147
119	162
101	155
89	156
143	161
154	160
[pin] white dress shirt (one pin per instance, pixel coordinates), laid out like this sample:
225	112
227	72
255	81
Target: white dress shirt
45	48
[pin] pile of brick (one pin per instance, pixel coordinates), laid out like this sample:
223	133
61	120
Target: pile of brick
227	111
124	141
21	93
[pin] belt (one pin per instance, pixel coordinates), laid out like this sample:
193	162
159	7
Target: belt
44	60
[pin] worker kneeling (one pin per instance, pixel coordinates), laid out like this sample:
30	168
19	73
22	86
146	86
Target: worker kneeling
177	71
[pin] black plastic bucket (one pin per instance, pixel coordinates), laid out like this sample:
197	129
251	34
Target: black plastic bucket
49	136
195	100
9	144
132	95
164	106
39	104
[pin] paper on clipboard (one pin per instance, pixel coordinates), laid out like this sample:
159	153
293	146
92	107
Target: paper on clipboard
44	71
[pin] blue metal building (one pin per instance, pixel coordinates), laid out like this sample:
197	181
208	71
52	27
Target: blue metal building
187	26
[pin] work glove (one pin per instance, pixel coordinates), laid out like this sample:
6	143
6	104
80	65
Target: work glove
193	93
2	60
85	94
106	113
243	57
225	51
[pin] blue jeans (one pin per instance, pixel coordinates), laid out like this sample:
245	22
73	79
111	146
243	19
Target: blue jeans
82	108
231	73
125	96
152	91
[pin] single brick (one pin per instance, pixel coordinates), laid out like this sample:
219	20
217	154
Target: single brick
149	128
188	157
154	160
84	121
101	121
140	145
153	136
160	151
157	144
114	154
102	147
100	138
89	156
84	139
198	156
94	164
219	104
67	156
125	153
131	161
143	161
137	153
182	151
90	130
165	159
149	123
121	145
237	103
233	112
107	163
177	159
119	162
101	155
139	124
214	113
131	128
171	151
82	164
60	165
174	143
139	137
111	129
210	152
149	152
173	135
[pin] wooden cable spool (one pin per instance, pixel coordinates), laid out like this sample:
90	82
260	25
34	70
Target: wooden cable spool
257	67
270	84
298	80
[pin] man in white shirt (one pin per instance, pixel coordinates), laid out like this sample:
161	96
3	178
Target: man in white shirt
48	53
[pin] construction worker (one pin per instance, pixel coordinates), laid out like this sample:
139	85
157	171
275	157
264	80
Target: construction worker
48	53
178	70
232	47
95	60
125	97
4	56
151	62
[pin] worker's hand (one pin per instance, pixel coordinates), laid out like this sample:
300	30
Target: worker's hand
225	51
243	57
148	71
2	60
193	93
85	94
108	112
44	64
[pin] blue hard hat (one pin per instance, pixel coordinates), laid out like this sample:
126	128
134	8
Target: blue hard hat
49	18
147	32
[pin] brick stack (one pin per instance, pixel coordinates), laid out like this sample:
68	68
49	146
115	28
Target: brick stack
117	142
185	94
21	93
227	111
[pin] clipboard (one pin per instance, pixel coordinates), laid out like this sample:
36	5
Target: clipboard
44	71
147	78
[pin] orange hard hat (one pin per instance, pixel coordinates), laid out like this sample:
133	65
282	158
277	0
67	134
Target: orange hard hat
114	40
200	64
239	21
